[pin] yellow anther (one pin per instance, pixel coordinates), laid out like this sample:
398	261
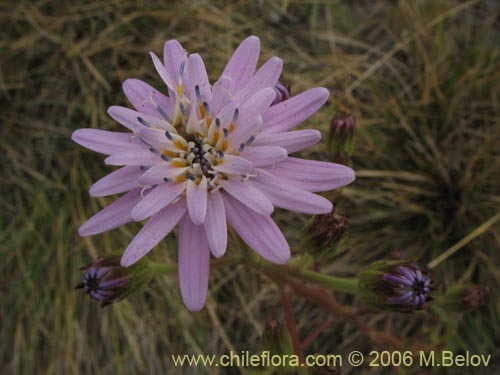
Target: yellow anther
202	110
179	89
224	145
180	179
168	154
209	121
180	145
178	163
231	127
216	137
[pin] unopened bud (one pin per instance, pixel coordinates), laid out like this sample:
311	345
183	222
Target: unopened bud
463	298
341	137
106	281
282	93
276	338
326	231
395	285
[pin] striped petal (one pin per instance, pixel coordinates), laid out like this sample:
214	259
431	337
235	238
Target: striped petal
246	193
196	194
146	99
159	197
133	157
259	232
234	165
242	64
113	216
292	112
286	196
119	181
155	230
292	141
103	141
194	264
215	224
312	175
264	155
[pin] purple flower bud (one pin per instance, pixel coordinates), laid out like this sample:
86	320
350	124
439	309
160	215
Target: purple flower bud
395	285
106	281
282	93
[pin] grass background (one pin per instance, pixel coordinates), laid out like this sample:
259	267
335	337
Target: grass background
422	78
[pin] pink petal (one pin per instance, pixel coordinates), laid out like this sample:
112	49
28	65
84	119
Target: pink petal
162	72
264	155
246	193
283	195
292	141
113	216
196	75
157	139
119	181
266	76
158	173
248	114
215	224
173	56
225	115
197	200
133	157
194	264
312	175
104	141
243	62
292	112
220	94
259	232
155	230
130	119
146	99
232	164
159	197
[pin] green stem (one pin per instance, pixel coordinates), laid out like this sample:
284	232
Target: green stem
162	267
339	284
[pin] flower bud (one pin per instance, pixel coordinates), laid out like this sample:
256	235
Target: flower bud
282	93
106	281
326	231
463	298
276	338
395	285
341	137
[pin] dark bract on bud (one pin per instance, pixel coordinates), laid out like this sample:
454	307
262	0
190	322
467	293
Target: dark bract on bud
326	231
395	285
341	136
461	298
282	93
106	281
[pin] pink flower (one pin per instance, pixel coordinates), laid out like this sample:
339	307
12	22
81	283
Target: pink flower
209	154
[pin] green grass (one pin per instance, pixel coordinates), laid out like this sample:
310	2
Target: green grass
422	78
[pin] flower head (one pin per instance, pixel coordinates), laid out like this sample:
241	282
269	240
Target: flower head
107	281
209	154
395	285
